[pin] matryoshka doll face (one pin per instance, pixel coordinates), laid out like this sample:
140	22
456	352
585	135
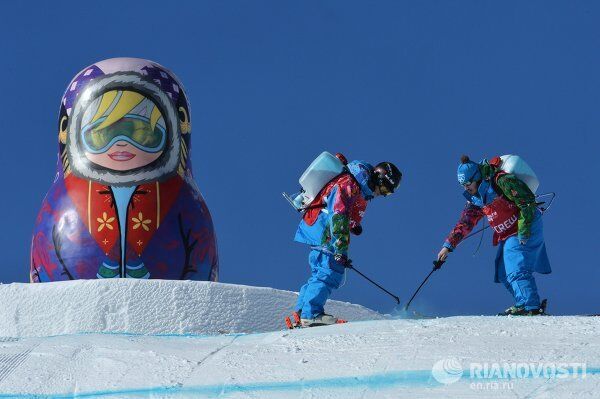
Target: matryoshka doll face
123	130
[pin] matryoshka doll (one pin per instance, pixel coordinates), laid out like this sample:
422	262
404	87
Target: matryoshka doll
124	203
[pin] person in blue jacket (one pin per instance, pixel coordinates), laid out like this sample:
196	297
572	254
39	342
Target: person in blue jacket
511	210
326	226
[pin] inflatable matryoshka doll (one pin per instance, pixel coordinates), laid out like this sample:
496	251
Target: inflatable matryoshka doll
124	203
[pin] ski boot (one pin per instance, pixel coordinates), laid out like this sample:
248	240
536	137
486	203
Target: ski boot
321	320
521	311
512	311
541	311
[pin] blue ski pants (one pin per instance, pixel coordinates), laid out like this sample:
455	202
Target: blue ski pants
326	275
516	263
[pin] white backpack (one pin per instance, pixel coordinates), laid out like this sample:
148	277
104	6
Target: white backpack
517	166
320	172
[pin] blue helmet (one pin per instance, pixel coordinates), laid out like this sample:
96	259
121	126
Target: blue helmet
468	171
362	172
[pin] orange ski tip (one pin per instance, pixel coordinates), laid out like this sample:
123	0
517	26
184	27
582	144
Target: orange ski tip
288	323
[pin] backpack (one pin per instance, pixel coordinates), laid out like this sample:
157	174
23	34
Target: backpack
319	173
517	166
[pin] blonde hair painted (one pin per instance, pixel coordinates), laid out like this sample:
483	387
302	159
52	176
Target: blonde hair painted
115	104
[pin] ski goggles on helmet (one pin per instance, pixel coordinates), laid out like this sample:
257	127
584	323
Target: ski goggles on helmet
385	187
385	182
384	190
134	129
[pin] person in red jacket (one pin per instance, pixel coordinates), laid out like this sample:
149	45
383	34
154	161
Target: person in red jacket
511	210
336	212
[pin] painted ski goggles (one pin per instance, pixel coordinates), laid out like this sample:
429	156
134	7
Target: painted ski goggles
134	129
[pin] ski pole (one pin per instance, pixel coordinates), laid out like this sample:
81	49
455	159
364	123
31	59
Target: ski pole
436	265
351	266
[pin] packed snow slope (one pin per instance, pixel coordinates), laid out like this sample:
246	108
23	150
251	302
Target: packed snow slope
160	339
149	307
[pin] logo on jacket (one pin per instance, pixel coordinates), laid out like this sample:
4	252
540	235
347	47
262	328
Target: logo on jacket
502	227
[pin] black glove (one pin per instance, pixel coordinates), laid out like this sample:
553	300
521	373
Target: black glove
356	230
437	264
343	260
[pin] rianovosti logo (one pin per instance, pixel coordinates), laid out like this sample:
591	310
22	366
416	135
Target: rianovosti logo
449	371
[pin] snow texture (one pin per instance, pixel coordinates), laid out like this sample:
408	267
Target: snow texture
150	307
383	358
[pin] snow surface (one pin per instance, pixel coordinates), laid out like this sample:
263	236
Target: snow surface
43	352
150	307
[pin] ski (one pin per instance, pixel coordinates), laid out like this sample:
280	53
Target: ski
297	322
340	321
414	315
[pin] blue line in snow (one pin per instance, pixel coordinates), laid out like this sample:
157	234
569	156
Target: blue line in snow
166	335
408	378
132	334
400	378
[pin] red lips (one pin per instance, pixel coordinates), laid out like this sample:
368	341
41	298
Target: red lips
121	156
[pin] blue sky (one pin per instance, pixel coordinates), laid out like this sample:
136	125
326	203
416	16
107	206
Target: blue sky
274	83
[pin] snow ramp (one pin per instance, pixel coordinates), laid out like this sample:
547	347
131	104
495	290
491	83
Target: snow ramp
150	307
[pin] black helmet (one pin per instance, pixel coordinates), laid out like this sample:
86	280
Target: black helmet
386	174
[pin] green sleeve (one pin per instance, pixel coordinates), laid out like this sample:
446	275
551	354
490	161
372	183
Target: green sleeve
518	193
340	233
